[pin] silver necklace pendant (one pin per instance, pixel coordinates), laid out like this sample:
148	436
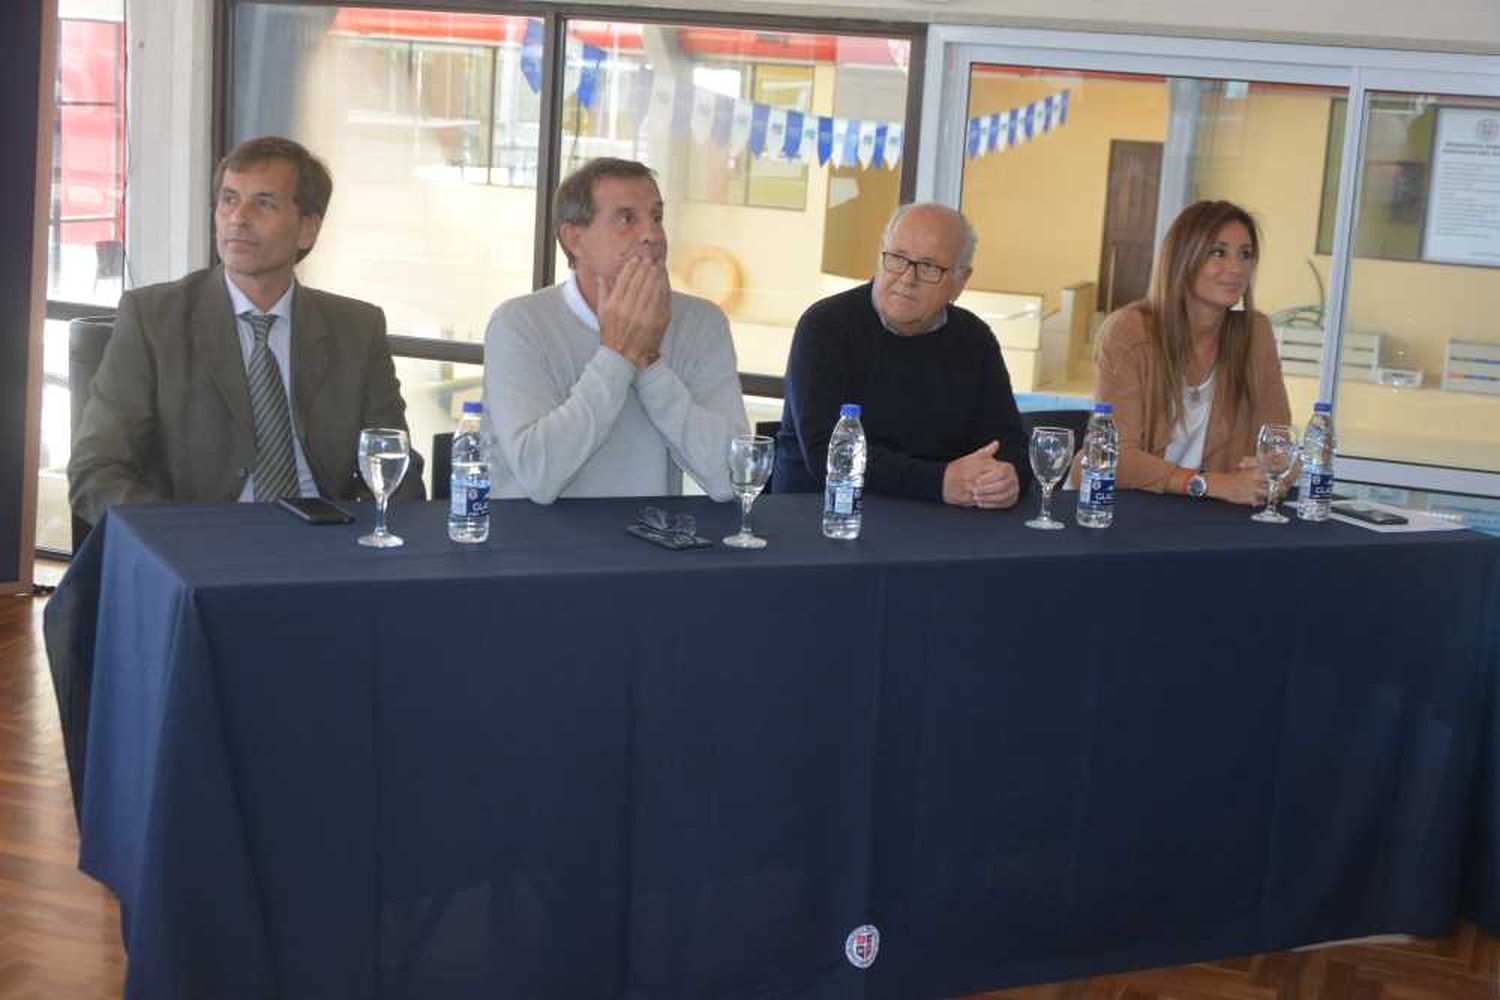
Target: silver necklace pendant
1195	392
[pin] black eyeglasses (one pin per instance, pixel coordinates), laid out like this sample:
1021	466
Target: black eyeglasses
657	519
927	272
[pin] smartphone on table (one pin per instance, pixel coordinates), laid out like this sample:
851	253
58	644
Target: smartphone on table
1364	512
316	510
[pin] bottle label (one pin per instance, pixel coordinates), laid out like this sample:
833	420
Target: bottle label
844	499
469	499
1320	485
1097	489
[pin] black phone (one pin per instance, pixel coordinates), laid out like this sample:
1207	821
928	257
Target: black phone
1368	514
316	510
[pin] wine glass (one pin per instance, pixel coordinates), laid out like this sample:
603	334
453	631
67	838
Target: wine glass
750	458
1051	451
1276	447
383	456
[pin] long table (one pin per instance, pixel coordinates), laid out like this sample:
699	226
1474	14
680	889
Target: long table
568	764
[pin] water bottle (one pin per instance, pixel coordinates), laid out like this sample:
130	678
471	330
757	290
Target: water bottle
1096	484
469	490
1315	486
844	495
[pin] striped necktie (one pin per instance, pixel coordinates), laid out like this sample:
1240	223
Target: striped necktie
275	466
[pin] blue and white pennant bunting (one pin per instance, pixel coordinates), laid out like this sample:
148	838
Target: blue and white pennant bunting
787	134
735	125
1000	131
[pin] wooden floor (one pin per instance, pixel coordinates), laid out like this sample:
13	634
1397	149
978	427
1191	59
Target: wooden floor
59	930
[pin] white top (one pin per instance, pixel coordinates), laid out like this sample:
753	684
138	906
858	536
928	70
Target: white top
1186	447
280	342
567	416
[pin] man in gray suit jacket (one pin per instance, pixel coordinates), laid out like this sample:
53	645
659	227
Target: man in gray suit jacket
194	394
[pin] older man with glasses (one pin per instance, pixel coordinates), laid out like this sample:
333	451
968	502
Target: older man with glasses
940	419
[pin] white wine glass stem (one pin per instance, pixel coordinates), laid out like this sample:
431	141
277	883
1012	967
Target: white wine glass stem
380	502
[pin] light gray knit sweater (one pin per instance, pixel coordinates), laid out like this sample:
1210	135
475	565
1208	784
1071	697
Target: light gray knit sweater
570	417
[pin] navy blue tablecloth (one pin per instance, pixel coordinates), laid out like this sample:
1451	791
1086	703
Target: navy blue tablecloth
568	764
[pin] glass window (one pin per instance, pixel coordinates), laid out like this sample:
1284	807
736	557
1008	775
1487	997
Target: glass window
1071	178
453	94
86	225
736	178
518	110
1393	183
1420	369
428	121
778	154
86	231
774	183
720	179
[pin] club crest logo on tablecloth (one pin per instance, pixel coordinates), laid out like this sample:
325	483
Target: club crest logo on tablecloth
862	945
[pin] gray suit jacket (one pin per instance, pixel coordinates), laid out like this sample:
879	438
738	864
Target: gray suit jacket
168	416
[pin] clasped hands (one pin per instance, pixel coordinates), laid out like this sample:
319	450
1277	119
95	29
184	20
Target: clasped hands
979	480
635	309
1245	484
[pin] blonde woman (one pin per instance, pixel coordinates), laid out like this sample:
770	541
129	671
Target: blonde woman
1192	370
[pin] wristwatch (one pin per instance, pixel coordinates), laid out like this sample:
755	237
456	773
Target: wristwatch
1197	486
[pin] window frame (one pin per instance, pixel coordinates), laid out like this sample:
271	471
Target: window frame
952	51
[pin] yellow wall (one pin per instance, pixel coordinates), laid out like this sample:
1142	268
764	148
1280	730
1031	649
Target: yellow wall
1039	207
1421	307
854	227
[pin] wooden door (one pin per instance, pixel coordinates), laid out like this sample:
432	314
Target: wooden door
1129	222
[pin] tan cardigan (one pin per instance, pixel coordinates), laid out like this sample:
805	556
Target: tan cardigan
1127	374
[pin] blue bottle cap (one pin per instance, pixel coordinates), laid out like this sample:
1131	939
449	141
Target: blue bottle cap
1322	407
850	410
473	406
1104	407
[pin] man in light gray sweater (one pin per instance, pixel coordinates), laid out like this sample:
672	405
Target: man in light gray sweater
610	383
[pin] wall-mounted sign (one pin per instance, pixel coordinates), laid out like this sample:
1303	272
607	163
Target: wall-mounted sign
1463	208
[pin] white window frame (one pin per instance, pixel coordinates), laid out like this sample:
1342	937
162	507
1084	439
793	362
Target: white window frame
168	128
953	51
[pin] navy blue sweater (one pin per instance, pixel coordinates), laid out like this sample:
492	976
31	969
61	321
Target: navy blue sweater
927	399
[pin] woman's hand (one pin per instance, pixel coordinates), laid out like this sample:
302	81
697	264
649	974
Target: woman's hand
1245	485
